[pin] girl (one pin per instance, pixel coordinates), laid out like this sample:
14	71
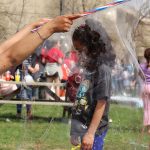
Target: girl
146	90
90	112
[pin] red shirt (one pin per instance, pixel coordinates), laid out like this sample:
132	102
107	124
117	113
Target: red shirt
74	56
53	55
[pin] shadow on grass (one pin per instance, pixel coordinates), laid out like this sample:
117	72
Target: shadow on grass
12	117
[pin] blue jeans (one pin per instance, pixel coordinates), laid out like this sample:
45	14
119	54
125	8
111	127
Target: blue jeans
24	94
99	141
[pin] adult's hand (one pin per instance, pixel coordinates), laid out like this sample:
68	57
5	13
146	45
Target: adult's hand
63	23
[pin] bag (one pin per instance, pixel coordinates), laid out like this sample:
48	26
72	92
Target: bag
28	78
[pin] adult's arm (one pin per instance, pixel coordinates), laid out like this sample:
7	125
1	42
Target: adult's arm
21	34
23	44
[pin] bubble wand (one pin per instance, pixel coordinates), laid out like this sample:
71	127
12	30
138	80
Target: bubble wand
118	2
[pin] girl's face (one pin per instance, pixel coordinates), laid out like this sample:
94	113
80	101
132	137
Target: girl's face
81	51
79	47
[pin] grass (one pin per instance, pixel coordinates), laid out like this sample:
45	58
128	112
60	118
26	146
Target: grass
48	131
125	131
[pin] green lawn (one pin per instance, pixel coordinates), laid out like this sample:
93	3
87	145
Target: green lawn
48	131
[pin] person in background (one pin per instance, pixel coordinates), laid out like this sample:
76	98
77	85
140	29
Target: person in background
117	79
26	92
126	81
89	123
35	70
40	76
20	46
54	60
146	89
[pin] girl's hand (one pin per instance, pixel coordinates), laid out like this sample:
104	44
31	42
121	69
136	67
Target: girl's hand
87	142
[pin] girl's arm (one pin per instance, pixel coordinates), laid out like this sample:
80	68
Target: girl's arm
88	138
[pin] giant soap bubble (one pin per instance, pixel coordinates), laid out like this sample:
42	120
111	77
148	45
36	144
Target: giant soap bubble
50	127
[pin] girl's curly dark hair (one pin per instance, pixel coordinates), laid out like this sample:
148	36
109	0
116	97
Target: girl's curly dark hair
97	42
